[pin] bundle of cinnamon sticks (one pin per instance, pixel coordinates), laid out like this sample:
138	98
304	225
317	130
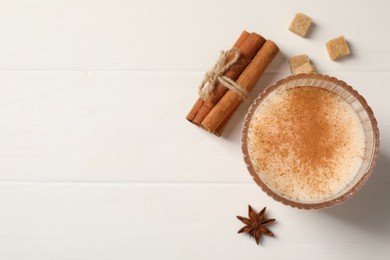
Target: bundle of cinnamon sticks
214	112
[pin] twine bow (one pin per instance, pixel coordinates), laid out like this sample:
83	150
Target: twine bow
215	76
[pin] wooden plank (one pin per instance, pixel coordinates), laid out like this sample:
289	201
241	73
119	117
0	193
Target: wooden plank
124	126
152	35
186	221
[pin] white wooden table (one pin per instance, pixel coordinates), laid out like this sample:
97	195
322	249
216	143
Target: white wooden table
97	160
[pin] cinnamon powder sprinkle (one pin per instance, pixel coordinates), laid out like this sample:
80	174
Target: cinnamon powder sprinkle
306	143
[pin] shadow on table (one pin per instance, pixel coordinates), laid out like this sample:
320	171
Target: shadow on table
369	208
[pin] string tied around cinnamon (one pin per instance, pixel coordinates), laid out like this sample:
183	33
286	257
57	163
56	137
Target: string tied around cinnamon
216	75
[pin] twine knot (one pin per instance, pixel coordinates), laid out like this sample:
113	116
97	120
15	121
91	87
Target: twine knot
216	75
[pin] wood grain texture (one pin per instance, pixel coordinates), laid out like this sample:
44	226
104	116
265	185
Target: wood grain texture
96	35
98	162
73	126
138	221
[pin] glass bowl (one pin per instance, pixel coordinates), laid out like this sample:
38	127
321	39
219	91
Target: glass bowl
367	120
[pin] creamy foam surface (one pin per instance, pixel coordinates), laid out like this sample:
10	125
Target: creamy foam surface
306	143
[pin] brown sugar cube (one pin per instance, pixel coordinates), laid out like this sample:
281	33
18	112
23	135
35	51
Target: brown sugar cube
300	24
337	48
305	68
297	61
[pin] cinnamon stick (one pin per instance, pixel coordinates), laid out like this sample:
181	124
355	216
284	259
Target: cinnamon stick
218	132
194	110
199	103
247	50
248	79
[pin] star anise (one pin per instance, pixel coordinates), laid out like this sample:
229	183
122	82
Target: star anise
256	224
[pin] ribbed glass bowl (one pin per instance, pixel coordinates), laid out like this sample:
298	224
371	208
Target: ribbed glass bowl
367	119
